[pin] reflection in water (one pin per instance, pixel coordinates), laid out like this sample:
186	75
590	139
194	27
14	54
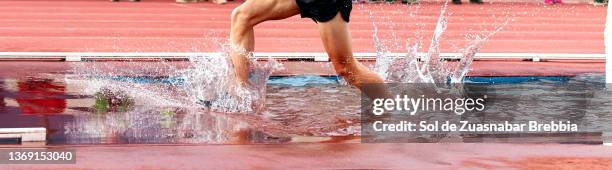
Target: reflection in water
110	101
41	96
34	102
153	125
2	102
289	111
320	110
130	114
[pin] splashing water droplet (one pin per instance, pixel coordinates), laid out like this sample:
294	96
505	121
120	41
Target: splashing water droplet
204	78
415	67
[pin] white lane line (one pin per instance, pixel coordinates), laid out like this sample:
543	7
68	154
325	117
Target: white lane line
318	56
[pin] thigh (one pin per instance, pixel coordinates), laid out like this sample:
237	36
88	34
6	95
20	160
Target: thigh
262	10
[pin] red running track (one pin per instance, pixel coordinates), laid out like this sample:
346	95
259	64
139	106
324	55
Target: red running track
338	156
165	26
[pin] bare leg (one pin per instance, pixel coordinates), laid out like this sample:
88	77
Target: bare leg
244	18
337	41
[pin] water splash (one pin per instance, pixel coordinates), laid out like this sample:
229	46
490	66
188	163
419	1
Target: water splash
204	78
186	84
415	67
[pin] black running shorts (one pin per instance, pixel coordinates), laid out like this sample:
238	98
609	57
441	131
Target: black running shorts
325	10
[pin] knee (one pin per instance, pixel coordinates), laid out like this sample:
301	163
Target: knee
241	16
